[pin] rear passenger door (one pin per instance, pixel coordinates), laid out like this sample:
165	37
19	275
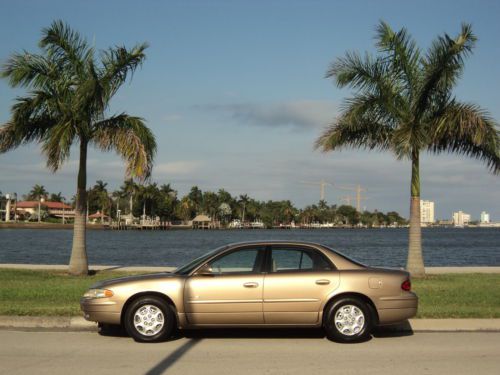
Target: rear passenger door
299	278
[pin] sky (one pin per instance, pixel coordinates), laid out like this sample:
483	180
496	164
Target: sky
235	93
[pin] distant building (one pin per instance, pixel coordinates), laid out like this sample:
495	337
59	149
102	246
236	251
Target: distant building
56	209
460	219
485	218
426	212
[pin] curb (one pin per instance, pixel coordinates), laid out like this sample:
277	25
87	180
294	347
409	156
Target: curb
64	323
79	324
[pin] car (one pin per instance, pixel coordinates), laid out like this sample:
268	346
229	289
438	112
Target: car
257	284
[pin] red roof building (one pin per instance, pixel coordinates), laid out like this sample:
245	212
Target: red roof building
47	205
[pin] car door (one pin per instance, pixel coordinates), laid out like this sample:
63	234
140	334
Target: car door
299	278
231	293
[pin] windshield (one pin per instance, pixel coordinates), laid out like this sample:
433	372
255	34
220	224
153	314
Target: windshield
345	256
186	269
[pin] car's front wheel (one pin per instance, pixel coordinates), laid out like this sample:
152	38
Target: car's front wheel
149	319
348	320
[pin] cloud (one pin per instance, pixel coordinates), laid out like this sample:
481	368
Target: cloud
177	168
300	114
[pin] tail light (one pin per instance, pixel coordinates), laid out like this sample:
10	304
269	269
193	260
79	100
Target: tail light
406	285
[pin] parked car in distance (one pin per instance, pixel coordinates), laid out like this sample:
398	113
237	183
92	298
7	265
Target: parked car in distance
257	284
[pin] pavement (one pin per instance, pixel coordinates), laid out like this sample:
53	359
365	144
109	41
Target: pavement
237	352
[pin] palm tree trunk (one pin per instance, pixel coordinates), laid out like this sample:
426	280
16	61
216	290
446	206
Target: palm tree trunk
415	262
78	263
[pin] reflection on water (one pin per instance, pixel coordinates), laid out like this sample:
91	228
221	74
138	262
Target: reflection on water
387	247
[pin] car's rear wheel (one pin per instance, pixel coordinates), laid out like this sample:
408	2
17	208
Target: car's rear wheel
149	319
348	320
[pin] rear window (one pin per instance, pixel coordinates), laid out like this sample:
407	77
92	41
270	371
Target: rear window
345	256
285	258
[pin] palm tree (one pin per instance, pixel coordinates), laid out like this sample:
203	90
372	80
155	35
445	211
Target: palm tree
37	192
404	103
56	197
69	103
99	196
130	188
244	199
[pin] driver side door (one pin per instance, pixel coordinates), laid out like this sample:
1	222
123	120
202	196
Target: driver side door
232	293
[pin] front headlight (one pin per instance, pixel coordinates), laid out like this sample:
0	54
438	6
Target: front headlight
98	293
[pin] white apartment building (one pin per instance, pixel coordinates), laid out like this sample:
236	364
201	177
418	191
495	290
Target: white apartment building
485	217
426	212
460	219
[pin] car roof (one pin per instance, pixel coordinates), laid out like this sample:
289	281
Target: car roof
275	242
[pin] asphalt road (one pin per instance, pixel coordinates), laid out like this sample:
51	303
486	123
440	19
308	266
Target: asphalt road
240	352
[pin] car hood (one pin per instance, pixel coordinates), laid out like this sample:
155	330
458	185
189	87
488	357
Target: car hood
126	279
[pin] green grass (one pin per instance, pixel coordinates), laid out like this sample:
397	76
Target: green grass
25	292
47	293
458	296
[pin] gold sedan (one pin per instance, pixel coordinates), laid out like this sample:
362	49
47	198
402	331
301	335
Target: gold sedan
257	284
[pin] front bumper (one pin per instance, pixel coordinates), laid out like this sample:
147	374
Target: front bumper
101	310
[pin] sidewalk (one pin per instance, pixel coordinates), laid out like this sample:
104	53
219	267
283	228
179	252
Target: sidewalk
78	324
59	267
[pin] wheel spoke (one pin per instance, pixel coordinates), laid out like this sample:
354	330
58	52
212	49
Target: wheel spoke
349	320
148	320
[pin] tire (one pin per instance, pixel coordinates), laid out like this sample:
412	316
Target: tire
348	320
149	319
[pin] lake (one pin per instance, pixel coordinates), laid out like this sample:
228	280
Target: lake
376	247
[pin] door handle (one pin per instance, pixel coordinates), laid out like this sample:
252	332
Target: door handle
251	285
323	282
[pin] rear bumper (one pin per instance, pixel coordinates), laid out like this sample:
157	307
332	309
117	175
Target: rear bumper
397	309
100	310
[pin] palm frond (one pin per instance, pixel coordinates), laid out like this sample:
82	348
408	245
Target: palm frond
25	70
443	66
31	120
131	139
468	130
118	63
355	133
66	45
8	137
362	73
57	144
403	52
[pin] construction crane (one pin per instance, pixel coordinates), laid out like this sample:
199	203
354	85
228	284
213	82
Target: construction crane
346	199
321	185
358	189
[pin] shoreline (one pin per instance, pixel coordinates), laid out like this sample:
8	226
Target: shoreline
35	225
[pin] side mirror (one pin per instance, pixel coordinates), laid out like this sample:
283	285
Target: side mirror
205	270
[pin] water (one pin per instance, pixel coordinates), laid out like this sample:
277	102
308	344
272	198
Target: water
377	247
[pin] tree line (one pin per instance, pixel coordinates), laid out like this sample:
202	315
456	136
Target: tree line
163	202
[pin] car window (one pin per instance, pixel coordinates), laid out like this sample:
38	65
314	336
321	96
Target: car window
187	268
239	261
297	259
